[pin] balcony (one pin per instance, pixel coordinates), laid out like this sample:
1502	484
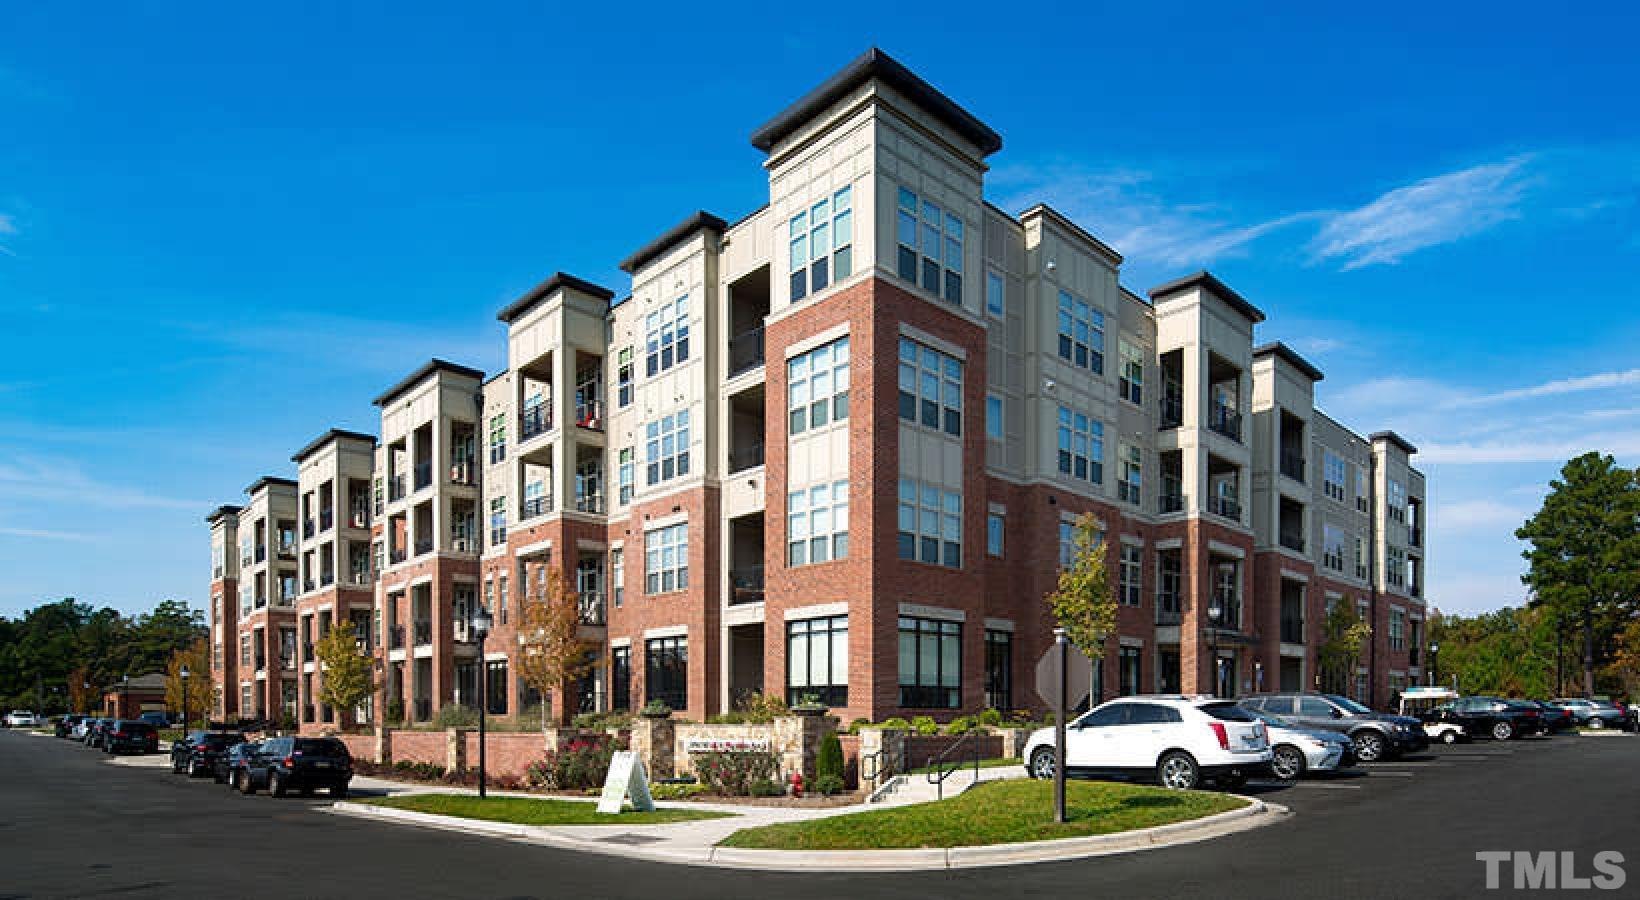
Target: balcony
359	517
396	488
1414	589
746	351
589	503
535	420
747	457
287	660
261	552
589	607
424	474
1172	404
1224	506
1293	542
307	529
1292	630
1415	536
1230	615
327	519
1292	465
359	578
463	473
424	632
395	637
746	585
1225	421
589	416
537	506
287	547
424	546
1170	503
1168	609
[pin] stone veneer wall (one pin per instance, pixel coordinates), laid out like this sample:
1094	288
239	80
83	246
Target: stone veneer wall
794	740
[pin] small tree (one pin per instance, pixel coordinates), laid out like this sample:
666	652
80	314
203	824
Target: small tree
1084	603
551	651
348	674
82	694
1342	634
201	693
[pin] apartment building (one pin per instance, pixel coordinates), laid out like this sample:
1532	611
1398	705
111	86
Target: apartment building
224	608
836	448
266	622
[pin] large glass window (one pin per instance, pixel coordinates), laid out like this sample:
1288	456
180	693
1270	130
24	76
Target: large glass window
817	524
666	671
666	447
1128	486
817	386
1131	383
1081	446
999	670
930	247
930	663
821	240
1332	547
495	687
1081	333
1334	475
620	678
666	336
1132	575
817	660
996	302
930	387
930	524
623	378
666	559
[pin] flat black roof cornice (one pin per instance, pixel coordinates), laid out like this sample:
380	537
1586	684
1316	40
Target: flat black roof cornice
226	509
655	249
420	375
1219	289
559	281
1395	439
269	481
331	435
1291	356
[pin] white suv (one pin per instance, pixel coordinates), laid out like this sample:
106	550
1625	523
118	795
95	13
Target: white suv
1170	738
21	718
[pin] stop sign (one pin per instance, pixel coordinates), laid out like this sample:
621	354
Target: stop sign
1078	676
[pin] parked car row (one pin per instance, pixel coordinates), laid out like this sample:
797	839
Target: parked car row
1450	717
109	735
278	764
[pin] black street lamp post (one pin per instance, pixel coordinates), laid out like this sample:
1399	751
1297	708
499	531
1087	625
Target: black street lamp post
183	675
1434	663
481	630
1215	612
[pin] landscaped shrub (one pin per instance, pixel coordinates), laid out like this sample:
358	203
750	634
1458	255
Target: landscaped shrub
855	726
894	722
582	763
674	791
925	725
728	718
826	785
596	721
828	761
657	708
991	717
456	715
961	725
761	709
732	774
765	787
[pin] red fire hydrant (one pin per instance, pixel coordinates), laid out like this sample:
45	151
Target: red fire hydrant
797	784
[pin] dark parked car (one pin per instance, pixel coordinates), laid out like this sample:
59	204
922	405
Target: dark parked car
156	719
1554	718
1492	716
1593	713
1376	735
196	753
94	733
130	736
230	766
65	725
284	764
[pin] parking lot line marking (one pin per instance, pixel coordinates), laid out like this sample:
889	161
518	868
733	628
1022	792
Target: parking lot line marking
1321	785
1389	772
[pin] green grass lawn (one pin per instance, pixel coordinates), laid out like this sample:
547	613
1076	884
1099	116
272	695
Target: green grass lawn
995	763
530	811
997	812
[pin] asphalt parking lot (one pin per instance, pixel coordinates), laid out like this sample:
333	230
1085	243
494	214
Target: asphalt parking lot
74	825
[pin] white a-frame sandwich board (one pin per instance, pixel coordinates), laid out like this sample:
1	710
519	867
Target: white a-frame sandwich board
626	778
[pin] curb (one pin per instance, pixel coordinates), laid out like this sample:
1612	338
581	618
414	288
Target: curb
1603	732
1255	814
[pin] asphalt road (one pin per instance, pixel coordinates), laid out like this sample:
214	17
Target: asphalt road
72	825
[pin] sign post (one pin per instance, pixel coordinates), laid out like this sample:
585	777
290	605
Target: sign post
1060	645
1062	666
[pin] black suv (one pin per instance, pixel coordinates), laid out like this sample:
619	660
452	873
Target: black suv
1376	735
123	735
196	753
297	763
65	725
1495	716
229	768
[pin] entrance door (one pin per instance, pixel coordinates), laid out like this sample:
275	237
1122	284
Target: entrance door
1292	673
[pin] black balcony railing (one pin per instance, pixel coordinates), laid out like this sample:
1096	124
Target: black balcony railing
589	607
1172	404
424	546
1292	464
1168	611
746	584
307	650
463	473
1293	542
396	487
424	632
749	456
395	637
589	503
424	709
307	528
746	351
1225	421
424	474
1224	506
1170	503
1415	536
1292	630
327	519
537	506
287	546
395	556
590	415
535	420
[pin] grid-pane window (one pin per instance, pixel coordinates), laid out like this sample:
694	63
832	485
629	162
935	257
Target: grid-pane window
1362	498
666	336
817	524
498	442
930	387
620	678
817	386
1081	333
623	377
666	559
996	302
994	527
1332	547
994	429
1081	446
930	246
1132	381
495	684
624	474
817	661
666	671
1397	501
821	242
1334	475
1067	543
498	521
1397	629
1132	472
617	576
930	663
1132	574
930	524
1395	563
666	447
1127	670
999	670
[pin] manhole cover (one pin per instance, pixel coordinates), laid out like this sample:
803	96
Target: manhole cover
633	839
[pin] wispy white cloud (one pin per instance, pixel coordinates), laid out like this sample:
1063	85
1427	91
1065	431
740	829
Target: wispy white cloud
1471	515
1531	448
1596	382
1316	344
45	534
56	481
1470	592
8	228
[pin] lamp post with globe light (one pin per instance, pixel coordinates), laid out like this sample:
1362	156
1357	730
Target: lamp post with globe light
481	630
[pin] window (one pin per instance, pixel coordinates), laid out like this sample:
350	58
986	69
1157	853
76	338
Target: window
1332	547
817	660
1131	383
993	534
1169	576
617	576
1132	470
993	417
666	447
1132	575
817	386
620	678
1396	565
999	670
1081	446
623	474
1361	687
817	524
498	448
495	685
666	671
930	524
376	493
666	336
1127	676
930	663
498	521
1360	557
821	242
1397	501
623	378
930	387
1067	544
244	650
1397	629
501	599
1081	333
995	299
1362	498
930	247
666	559
1334	475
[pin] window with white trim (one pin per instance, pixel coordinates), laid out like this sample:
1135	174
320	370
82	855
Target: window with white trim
1130	385
996	302
930	663
623	378
994	527
930	524
817	660
498	521
993	417
821	241
617	576
666	336
1081	333
930	247
817	524
1067	544
1332	547
1397	629
930	387
1081	446
1360	557
666	447
666	559
817	386
1363	499
1397	501
1132	575
1128	486
1396	564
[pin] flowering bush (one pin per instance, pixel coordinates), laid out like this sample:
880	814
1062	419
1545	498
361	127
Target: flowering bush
579	764
733	774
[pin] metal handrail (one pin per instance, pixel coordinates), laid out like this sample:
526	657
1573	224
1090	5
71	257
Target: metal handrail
940	772
883	763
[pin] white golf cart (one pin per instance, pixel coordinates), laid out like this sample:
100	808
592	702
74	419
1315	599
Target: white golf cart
1418	701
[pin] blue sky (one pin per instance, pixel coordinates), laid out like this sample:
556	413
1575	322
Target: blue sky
222	231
